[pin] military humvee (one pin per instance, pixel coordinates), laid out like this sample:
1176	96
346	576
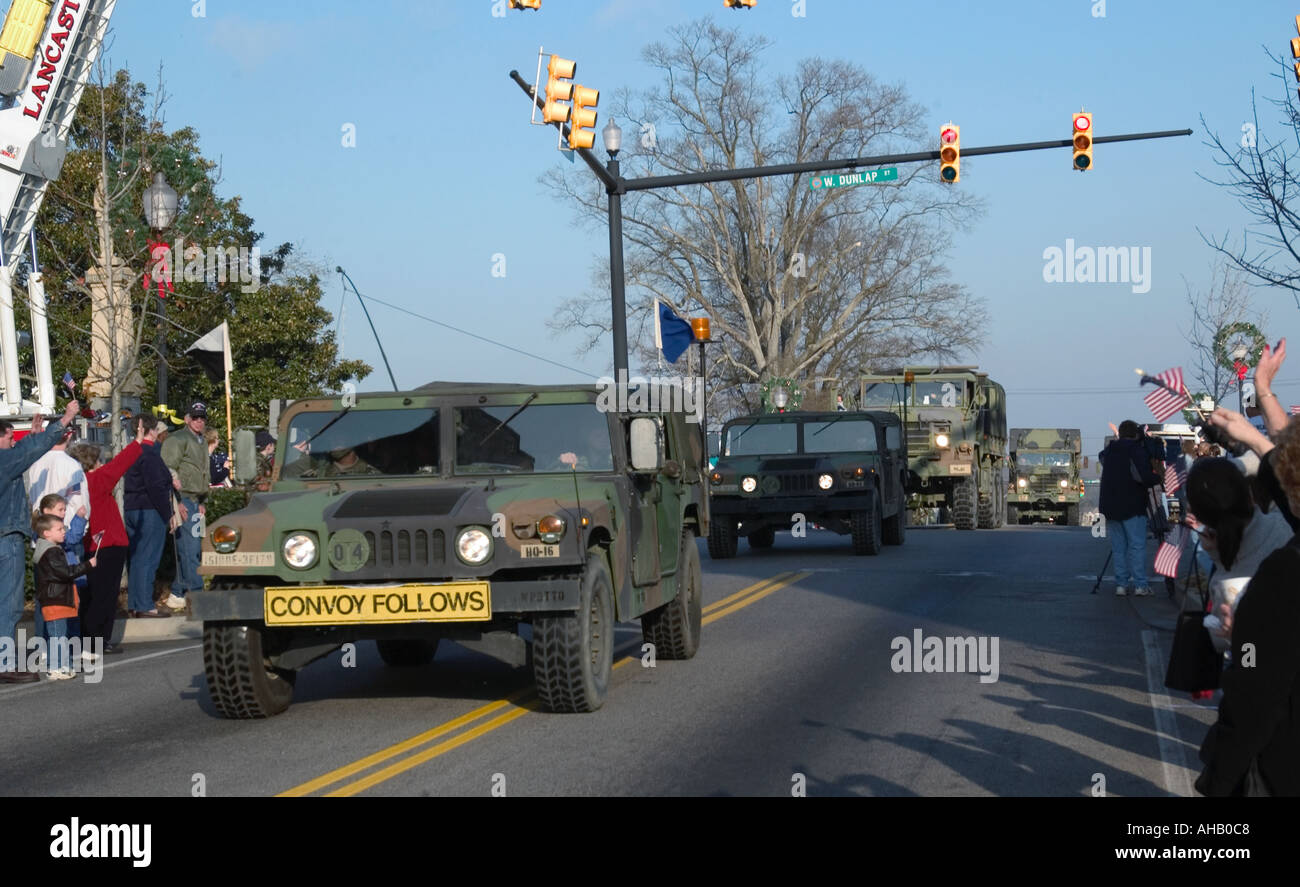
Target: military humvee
1045	482
843	470
955	420
457	512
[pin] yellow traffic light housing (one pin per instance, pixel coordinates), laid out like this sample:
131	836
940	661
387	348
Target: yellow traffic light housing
525	4
1082	141
581	135
950	153
559	89
738	4
1295	49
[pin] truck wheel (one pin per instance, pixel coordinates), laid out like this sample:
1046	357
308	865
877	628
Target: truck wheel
866	529
764	538
894	530
1000	515
965	500
674	628
988	510
406	652
1013	514
723	539
1072	515
574	654
241	680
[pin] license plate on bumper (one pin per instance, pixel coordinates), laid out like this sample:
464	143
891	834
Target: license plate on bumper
238	559
959	468
351	605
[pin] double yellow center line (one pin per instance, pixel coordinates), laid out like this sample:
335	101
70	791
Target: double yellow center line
506	709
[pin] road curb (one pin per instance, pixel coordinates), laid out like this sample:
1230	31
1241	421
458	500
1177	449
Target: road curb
128	631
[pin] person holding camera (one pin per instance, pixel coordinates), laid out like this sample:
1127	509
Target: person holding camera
1126	476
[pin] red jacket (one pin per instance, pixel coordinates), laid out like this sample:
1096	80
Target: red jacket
104	513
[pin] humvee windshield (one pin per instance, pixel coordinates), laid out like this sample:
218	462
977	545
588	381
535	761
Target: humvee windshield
840	436
1043	460
532	437
762	439
355	442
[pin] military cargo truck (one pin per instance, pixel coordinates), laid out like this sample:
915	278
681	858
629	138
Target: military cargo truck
955	422
457	512
1045	481
844	471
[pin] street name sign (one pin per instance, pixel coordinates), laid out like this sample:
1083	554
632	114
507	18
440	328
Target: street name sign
846	179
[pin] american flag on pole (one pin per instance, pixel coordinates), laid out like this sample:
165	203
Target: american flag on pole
1170	552
1164	403
1175	477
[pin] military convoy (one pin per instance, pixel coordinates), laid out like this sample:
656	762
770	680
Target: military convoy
476	509
955	423
845	471
1045	481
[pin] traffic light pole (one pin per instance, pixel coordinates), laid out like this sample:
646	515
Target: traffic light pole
616	186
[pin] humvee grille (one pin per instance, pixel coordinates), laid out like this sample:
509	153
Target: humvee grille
796	483
404	548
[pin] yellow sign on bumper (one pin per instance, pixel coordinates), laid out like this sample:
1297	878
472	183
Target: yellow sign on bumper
350	605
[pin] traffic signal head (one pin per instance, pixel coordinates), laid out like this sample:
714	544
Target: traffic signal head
738	4
950	153
559	89
1082	141
525	4
1295	48
581	133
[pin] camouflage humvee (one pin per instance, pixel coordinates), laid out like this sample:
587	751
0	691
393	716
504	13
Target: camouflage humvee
843	470
955	421
458	512
1045	482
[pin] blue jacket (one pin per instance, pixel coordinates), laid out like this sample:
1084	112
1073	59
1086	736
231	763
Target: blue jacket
1125	477
15	512
148	483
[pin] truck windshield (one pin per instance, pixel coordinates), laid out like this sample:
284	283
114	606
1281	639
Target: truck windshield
361	442
882	394
1043	460
938	394
539	438
840	436
762	439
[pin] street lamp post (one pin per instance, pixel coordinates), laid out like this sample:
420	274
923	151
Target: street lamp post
1239	354
613	138
159	212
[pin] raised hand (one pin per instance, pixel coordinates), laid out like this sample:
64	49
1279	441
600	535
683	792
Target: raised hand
70	412
1269	363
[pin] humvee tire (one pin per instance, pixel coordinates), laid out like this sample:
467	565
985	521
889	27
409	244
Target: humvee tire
866	529
894	530
406	652
1072	515
674	628
240	681
723	538
965	499
573	654
764	538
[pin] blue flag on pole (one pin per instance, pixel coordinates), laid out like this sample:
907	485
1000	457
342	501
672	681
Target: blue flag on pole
674	334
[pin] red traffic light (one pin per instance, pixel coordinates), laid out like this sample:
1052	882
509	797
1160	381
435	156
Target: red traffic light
1082	123
948	135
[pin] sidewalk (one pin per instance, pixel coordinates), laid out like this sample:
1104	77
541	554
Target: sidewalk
127	631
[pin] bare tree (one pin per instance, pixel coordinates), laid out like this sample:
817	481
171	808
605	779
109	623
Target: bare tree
1264	175
1227	300
797	282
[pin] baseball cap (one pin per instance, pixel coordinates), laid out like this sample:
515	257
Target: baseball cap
264	439
197	411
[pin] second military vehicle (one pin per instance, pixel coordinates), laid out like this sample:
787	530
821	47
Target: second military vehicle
955	420
844	471
1045	481
457	512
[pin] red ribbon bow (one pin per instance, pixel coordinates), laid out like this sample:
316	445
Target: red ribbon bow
160	255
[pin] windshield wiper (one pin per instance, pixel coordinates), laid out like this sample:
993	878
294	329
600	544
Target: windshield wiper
829	424
508	419
343	412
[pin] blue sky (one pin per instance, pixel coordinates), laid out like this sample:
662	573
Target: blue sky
445	170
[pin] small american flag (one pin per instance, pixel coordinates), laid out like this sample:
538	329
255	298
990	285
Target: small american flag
1175	477
1295	409
1164	403
69	383
1170	553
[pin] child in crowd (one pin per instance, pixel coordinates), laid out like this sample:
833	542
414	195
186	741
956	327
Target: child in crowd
57	505
56	594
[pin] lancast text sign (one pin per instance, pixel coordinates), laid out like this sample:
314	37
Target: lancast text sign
845	179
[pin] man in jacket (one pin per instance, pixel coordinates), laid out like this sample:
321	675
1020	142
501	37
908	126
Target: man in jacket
186	452
148	504
1126	475
15	531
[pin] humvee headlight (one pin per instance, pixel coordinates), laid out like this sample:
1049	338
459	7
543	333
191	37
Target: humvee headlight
474	546
1022	483
825	481
941	440
749	484
225	539
300	551
550	529
1064	484
715	477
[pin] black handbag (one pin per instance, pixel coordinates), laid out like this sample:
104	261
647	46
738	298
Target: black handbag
1194	664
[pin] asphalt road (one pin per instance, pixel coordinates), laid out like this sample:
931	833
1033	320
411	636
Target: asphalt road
793	689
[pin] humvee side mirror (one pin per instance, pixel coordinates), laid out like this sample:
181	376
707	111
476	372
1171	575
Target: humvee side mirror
245	456
647	444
